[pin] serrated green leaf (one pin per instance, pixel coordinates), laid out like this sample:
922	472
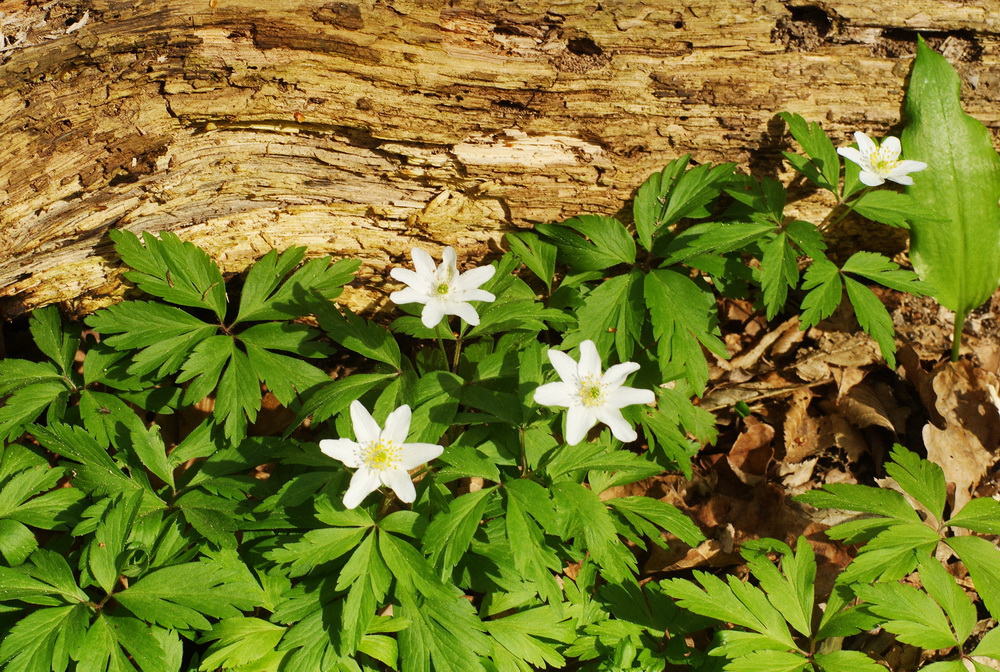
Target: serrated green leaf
361	336
98	469
44	639
536	254
533	558
891	554
790	591
958	257
715	238
25	405
612	313
922	479
317	547
846	661
286	377
329	400
661	514
873	318
584	512
825	168
982	559
979	515
522	634
264	277
878	268
822	281
850	497
772	661
106	556
941	586
237	641
18	373
893	208
307	291
47	573
778	273
989	645
910	614
581	254
807	237
450	532
238	397
58	343
176	271
25	484
148	446
17	542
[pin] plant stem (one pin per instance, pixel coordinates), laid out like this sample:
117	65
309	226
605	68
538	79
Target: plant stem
455	358
828	222
956	339
444	352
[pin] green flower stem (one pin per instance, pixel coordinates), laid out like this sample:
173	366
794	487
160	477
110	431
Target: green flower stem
828	222
956	339
444	351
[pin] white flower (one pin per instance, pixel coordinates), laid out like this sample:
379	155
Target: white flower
879	164
380	456
591	397
442	289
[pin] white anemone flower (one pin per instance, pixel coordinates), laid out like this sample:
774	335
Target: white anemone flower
442	289
590	396
880	163
381	456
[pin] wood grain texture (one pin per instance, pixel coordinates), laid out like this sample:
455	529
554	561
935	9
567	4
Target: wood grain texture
363	128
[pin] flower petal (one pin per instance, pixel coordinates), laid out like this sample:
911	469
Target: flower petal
408	295
409	278
564	365
620	428
366	430
870	179
463	310
423	264
579	420
616	375
900	179
343	450
400	483
475	277
415	454
890	148
852	154
449	260
397	425
629	396
865	144
432	314
478	295
555	394
908	166
363	483
590	360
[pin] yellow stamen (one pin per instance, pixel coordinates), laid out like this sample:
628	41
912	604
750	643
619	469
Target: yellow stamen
380	455
591	392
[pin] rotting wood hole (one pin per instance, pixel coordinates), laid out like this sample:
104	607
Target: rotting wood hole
806	28
584	46
957	45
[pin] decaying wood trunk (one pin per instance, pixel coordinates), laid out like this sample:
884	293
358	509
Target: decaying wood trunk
362	127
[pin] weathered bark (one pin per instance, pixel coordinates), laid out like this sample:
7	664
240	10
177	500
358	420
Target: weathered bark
361	127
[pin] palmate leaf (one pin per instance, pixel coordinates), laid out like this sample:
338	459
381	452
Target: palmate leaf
238	641
846	661
979	515
44	639
587	518
450	532
612	314
823	164
59	343
106	556
590	242
268	295
173	270
791	590
97	470
982	559
893	209
873	318
536	254
522	636
33	387
922	479
877	268
826	290
112	641
959	257
362	336
648	515
778	273
909	613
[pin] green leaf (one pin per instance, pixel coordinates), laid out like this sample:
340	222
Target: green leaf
361	336
238	641
772	661
715	238
317	547
941	586
822	281
989	645
17	542
850	497
961	184
612	313
979	515
536	254
778	272
153	649
26	404
181	596
23	485
823	167
97	471
106	556
238	397
533	558
846	661
891	554
661	514
331	399
790	591
286	377
44	639
807	237
910	614
893	208
307	291
982	559
18	373
879	269
922	479
522	634
148	446
873	318
602	242
173	270
450	532
57	343
684	318
581	507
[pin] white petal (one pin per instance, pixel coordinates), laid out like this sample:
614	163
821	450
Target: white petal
463	310
478	295
891	148
401	484
871	179
474	278
900	179
364	482
852	155
415	454
408	295
554	394
629	396
423	264
432	314
409	278
397	425
590	360
344	450
865	144
620	428
908	166
366	430
564	365
450	261
579	420
616	375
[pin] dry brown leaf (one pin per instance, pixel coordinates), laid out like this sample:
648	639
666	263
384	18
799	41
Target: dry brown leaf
962	457
797	477
679	556
801	431
748	359
873	406
752	452
838	431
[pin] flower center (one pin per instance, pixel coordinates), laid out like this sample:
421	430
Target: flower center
591	392
380	455
882	161
442	289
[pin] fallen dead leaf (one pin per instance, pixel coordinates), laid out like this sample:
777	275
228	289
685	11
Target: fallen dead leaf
801	431
752	452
